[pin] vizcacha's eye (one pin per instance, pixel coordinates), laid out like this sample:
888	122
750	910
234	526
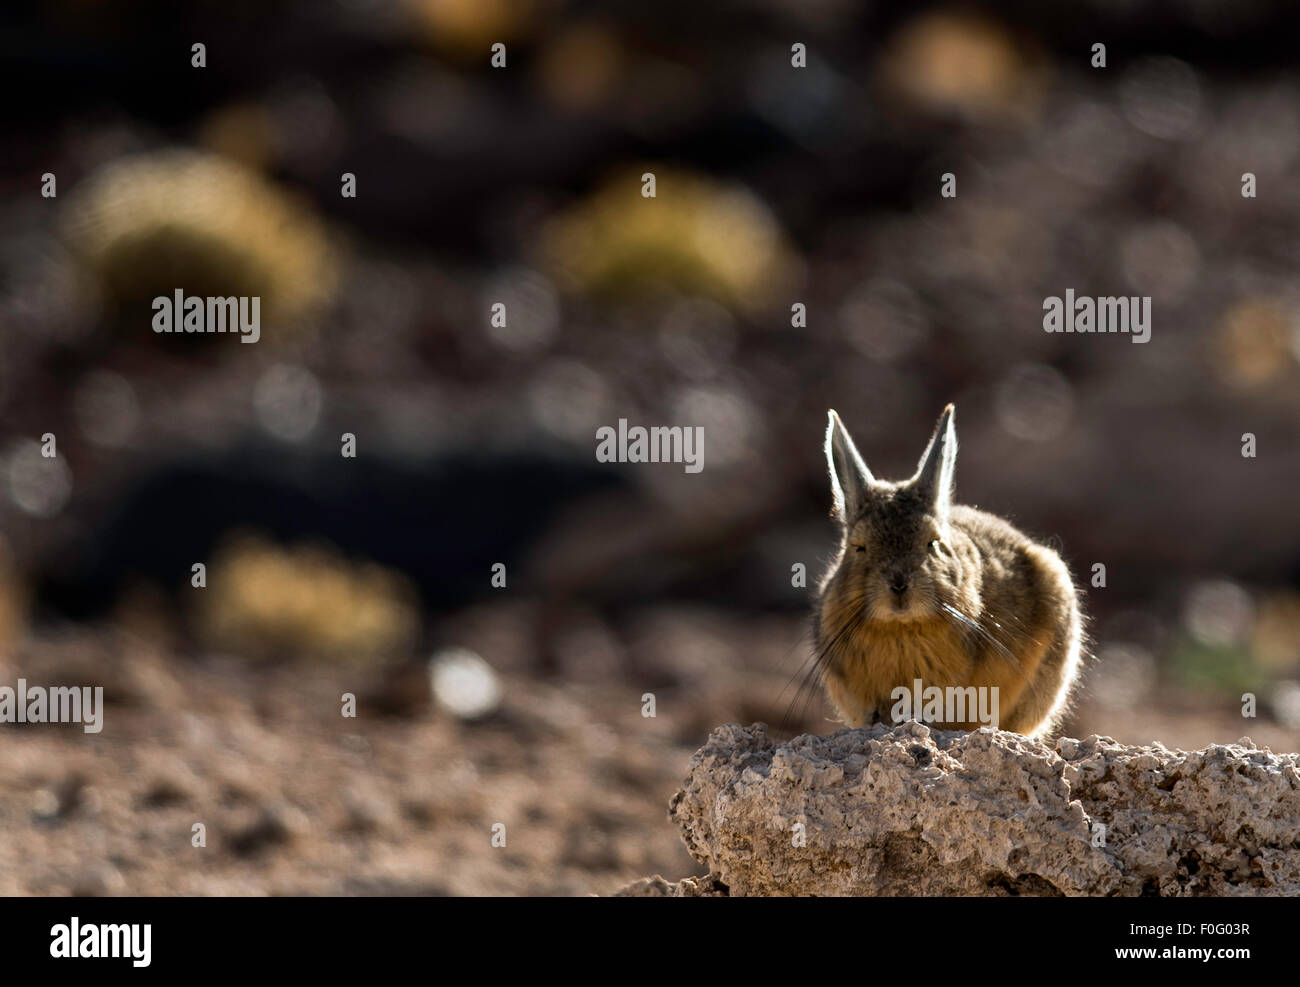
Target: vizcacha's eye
860	548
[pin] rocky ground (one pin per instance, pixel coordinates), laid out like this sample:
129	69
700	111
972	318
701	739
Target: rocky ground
297	799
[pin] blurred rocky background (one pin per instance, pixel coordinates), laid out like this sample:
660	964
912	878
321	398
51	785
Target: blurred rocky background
522	705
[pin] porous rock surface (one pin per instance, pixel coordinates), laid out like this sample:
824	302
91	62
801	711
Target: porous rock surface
907	810
657	887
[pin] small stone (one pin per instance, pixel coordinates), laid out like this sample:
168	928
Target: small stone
366	811
278	825
100	881
45	804
464	684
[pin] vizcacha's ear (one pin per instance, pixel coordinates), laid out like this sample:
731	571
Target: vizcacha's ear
850	477
934	475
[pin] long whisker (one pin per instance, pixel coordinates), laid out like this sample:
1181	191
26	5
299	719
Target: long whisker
820	660
983	632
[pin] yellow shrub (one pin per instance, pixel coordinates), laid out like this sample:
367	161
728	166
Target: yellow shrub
695	235
150	224
264	600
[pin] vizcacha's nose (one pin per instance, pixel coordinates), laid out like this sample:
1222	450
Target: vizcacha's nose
898	582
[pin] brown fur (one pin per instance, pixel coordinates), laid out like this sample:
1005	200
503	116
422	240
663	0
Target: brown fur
950	595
